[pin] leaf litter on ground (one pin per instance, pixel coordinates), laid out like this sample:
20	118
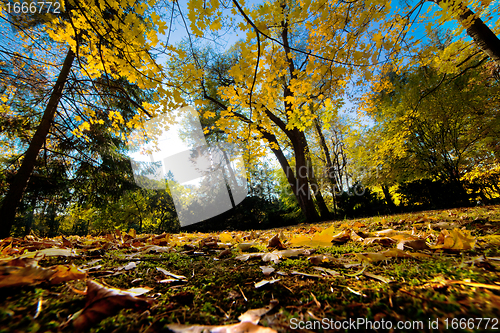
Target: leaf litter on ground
355	254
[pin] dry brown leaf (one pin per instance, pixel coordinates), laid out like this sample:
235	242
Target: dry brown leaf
416	244
65	273
224	253
396	253
103	302
254	315
51	252
275	243
246	256
390	233
14	276
19	262
386	241
342	237
356	237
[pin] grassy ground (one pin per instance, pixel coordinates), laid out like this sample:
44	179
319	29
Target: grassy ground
435	293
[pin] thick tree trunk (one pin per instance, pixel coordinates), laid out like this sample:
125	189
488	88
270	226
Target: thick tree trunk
482	35
20	181
320	201
299	185
302	182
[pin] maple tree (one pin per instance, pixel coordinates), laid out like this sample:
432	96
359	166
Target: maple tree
102	43
294	59
432	125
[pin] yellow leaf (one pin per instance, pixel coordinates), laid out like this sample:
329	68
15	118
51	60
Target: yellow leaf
329	231
300	241
455	240
66	273
226	237
321	240
216	25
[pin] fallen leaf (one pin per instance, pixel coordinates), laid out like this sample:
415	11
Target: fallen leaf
103	302
416	244
356	292
342	237
300	241
267	270
245	246
254	315
63	273
386	241
327	270
291	253
264	282
14	276
319	259
378	277
455	239
356	237
224	253
138	291
226	237
245	257
275	243
167	273
273	256
396	253
131	265
389	233
155	249
322	240
307	275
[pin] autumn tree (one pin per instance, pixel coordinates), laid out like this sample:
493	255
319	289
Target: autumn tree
295	54
101	43
433	125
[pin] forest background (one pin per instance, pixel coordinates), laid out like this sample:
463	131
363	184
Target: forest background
420	131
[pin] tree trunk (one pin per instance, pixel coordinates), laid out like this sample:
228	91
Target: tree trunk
20	181
482	35
302	180
388	199
329	164
299	185
323	209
